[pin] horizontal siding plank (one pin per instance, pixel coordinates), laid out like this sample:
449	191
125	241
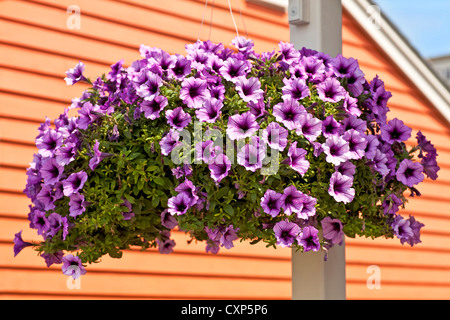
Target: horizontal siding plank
396	291
16	155
64	43
152	262
12	179
15	205
21	107
54	282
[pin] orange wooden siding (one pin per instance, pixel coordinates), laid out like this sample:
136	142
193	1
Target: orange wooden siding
36	48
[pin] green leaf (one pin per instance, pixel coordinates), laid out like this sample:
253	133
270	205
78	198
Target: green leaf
228	209
159	180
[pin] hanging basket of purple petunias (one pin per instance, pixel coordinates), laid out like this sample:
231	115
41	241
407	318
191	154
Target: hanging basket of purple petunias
290	147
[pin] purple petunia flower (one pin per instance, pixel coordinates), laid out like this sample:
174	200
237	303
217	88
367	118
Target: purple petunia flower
292	200
275	136
288	53
410	173
415	227
210	111
179	204
309	126
336	149
53	258
286	233
150	87
288	113
356	142
51	171
309	207
189	189
343	67
395	131
72	266
402	228
74	183
167	220
77	205
244	45
391	204
181	68
75	75
39	221
233	69
241	126
97	157
249	89
346	168
177	118
46	197
331	90
341	188
295	88
57	223
165	244
350	105
19	244
206	151
152	108
115	74
332	230
296	159
49	142
271	202
430	166
251	155
219	167
169	141
309	239
311	69
127	215
228	236
66	154
330	127
194	92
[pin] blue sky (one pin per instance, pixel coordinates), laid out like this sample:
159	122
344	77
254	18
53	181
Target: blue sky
425	23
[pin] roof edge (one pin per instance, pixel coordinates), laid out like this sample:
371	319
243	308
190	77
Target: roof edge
400	51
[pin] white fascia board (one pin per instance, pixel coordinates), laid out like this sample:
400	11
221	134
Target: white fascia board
401	53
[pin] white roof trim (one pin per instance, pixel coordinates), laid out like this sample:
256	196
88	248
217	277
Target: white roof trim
401	53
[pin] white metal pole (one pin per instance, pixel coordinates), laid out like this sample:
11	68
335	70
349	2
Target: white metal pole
317	24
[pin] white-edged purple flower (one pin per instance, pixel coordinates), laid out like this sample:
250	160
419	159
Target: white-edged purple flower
72	266
181	67
336	149
179	204
206	151
356	142
251	155
332	230
309	207
38	220
194	92
409	172
150	87
75	75
341	188
309	239
151	108
395	131
46	197
311	68
241	126
309	126
77	205
297	159
169	141
243	44
288	113
286	233
346	168
271	202
343	67
275	136
74	183
51	171
219	167
294	88
209	111
402	228
66	153
249	89
177	118
292	200
233	69
331	90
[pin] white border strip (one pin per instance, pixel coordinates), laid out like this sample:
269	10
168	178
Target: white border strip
399	51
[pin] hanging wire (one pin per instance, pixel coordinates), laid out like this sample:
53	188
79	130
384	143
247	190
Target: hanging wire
210	20
242	18
232	17
203	17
